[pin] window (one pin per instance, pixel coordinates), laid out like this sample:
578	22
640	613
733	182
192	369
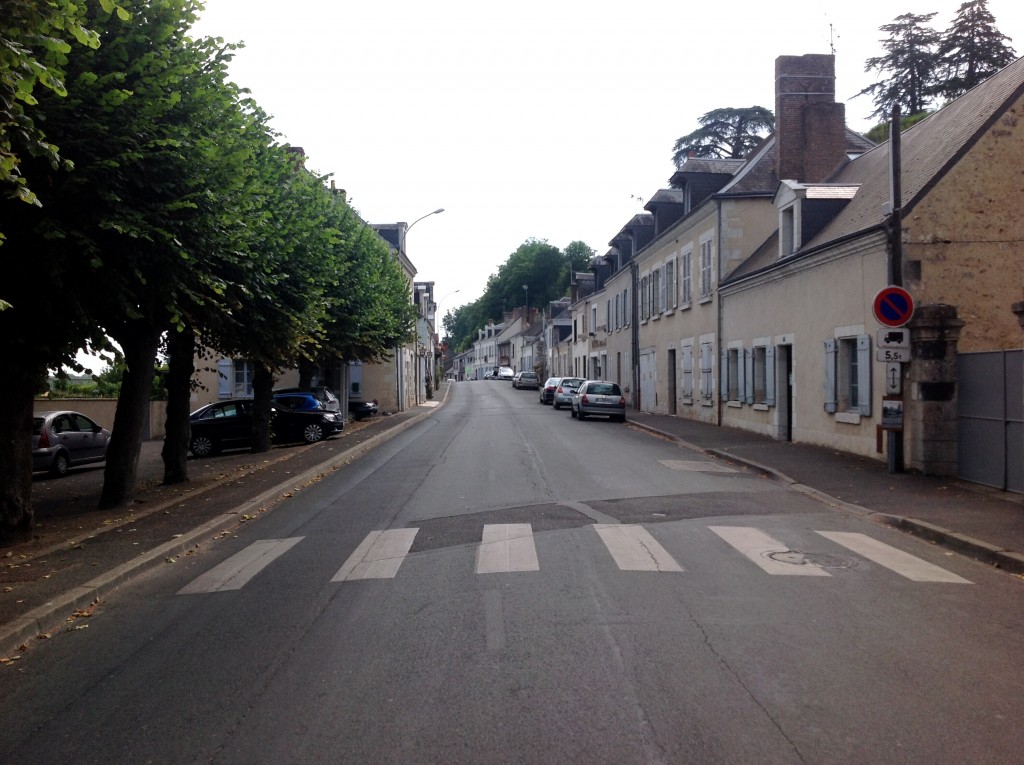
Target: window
618	312
848	375
593	319
645	298
625	308
732	373
787	232
671	291
234	378
706	361
687	363
761	374
657	292
706	282
608	317
686	275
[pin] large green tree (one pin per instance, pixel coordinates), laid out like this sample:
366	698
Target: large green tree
729	132
971	50
909	66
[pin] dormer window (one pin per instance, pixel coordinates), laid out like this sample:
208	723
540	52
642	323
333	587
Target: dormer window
789	230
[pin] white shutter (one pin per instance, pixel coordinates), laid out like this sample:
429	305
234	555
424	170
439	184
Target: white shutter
688	371
747	376
225	378
864	374
769	375
831	354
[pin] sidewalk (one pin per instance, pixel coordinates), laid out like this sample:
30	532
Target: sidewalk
986	524
79	554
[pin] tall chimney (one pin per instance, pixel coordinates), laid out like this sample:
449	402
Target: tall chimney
810	127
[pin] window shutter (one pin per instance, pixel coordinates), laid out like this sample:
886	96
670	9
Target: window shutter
864	374
688	371
831	353
769	375
723	390
225	378
748	375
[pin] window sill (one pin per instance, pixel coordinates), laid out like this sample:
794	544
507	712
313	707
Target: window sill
761	407
734	404
848	418
705	300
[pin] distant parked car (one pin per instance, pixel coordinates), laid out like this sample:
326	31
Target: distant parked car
490	374
323	394
229	424
63	439
601	398
525	380
547	390
563	393
360	410
506	373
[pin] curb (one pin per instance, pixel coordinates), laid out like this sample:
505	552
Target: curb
984	552
48	618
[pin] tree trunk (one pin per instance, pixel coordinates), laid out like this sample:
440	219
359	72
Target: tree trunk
262	398
139	342
18	386
181	348
307	369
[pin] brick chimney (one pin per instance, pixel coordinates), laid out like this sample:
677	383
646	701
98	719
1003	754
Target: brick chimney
810	127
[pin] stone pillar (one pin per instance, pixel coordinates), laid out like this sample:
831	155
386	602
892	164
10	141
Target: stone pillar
931	417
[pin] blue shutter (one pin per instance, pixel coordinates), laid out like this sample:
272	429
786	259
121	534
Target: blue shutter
688	371
769	375
723	390
748	375
225	378
831	354
864	374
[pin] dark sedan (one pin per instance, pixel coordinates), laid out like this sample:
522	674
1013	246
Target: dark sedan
229	424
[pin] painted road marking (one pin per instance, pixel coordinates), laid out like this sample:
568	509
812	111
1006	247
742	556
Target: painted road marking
768	553
634	549
236	571
507	547
700	466
902	563
379	556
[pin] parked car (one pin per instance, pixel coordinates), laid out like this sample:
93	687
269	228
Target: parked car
563	393
601	398
525	379
547	390
360	410
324	394
229	424
63	439
490	374
506	373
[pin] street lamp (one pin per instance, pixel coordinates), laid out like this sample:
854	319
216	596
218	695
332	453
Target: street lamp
438	211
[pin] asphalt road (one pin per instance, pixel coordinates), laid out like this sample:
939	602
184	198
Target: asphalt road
502	583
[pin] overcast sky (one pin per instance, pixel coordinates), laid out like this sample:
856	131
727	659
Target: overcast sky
550	120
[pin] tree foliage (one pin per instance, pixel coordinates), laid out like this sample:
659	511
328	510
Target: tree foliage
921	65
725	133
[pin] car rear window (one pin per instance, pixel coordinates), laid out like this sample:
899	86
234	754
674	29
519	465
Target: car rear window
604	389
571	382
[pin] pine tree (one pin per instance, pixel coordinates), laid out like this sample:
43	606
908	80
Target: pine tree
971	50
912	62
727	132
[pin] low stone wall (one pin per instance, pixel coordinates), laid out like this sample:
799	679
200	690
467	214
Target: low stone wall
101	410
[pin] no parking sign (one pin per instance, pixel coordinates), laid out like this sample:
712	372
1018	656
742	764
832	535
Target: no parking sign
893	306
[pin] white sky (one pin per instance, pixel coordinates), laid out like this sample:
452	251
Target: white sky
527	119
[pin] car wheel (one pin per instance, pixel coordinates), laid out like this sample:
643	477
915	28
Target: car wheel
621	418
60	465
202	446
313	432
580	415
556	405
572	412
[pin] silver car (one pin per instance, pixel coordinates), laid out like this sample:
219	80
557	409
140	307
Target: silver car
563	393
599	397
63	439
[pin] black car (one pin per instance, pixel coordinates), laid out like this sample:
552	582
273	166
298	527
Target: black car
360	410
229	424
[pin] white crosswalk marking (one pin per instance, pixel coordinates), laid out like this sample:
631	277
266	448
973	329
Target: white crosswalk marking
507	547
237	570
902	563
766	552
379	556
634	549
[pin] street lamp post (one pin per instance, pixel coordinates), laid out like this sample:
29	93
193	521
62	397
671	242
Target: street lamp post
417	360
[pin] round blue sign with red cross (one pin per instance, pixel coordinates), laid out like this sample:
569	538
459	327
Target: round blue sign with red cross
893	306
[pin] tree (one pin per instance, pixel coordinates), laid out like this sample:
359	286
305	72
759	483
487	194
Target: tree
725	133
911	62
578	256
971	50
34	44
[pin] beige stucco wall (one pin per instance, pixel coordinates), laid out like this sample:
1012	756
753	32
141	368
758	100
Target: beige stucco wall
967	235
814	301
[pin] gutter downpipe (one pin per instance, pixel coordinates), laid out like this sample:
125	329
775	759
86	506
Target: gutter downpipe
894	438
634	324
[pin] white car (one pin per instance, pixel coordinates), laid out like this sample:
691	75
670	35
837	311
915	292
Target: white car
506	373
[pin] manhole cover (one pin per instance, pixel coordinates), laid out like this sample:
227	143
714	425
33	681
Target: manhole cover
823	560
788	556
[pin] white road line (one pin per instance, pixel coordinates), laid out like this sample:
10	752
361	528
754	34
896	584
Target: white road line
236	571
634	549
902	563
378	556
506	547
760	548
700	466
